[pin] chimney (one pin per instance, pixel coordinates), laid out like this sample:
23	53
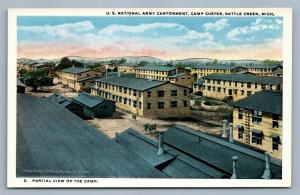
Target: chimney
176	70
231	132
234	162
160	143
224	128
267	173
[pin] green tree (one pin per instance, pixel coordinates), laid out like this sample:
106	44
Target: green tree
65	62
38	78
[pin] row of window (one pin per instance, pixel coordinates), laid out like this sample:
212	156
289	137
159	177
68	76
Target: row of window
134	103
125	90
235	83
257	117
230	91
155	72
257	138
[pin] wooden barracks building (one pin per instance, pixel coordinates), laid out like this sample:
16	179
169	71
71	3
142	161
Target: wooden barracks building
80	79
166	73
237	86
204	70
257	121
144	97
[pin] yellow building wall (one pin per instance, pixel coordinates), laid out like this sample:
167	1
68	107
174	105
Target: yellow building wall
154	112
153	74
184	80
240	87
265	127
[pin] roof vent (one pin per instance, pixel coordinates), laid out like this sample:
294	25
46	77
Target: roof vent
231	132
267	173
224	128
234	162
160	143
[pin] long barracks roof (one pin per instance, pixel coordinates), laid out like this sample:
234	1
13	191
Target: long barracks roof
132	82
262	66
88	100
193	154
216	66
266	101
158	68
52	141
75	70
247	78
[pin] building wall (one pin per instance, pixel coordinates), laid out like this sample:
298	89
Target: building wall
126	69
207	71
141	98
262	71
184	80
71	80
154	74
215	89
265	126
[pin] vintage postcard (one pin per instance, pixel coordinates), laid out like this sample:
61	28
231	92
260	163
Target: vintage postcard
149	97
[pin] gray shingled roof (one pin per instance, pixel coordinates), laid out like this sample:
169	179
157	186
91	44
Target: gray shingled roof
50	137
262	66
217	152
174	163
88	100
132	82
266	101
216	66
158	68
75	70
245	78
193	154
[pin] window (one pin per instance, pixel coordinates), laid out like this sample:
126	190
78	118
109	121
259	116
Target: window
125	90
148	106
184	103
148	94
235	84
242	92
242	84
224	90
275	143
229	83
263	87
208	88
120	99
125	101
240	132
129	102
185	92
134	104
235	92
120	89
214	88
241	110
134	92
275	123
160	105
173	92
219	89
256	117
255	85
257	138
83	83
229	91
140	105
248	85
160	93
129	91
140	94
173	104
249	93
219	82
